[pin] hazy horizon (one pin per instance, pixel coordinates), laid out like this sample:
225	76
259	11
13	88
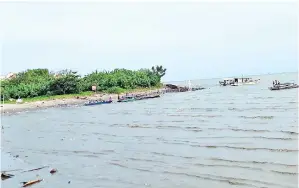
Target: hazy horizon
192	40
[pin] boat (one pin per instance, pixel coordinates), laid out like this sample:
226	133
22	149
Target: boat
90	103
147	97
194	88
284	86
197	88
250	81
238	81
226	81
127	99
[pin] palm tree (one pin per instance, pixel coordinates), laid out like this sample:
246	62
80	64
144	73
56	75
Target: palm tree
159	70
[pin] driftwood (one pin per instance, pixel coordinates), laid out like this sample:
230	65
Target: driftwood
35	169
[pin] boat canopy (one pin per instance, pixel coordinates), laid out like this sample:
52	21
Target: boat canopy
236	78
228	78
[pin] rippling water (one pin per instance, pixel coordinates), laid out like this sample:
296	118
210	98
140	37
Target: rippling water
219	137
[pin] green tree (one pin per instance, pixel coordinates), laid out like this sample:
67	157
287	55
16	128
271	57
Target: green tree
159	70
40	82
67	82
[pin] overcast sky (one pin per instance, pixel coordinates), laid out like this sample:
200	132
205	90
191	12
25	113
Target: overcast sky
192	40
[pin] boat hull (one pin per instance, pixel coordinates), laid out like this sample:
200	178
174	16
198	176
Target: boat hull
147	97
126	100
98	103
238	83
196	89
283	87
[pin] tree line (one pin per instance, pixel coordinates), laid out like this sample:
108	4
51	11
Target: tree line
42	82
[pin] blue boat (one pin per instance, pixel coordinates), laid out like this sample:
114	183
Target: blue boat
90	103
126	99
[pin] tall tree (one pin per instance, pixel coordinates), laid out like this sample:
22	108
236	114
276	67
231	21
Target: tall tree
159	70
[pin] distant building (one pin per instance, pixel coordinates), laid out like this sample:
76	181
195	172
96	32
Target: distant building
11	75
57	75
8	76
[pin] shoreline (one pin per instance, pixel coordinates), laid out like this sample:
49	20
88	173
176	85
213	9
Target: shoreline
56	103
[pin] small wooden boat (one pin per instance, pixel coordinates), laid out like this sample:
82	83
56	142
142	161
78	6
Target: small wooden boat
284	86
90	103
197	88
147	97
127	99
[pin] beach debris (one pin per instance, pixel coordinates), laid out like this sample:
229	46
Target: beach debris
35	169
25	184
5	176
19	100
53	171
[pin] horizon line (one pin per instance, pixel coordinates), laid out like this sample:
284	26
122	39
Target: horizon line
231	76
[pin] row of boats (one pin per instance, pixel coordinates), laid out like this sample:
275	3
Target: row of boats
226	82
249	81
127	98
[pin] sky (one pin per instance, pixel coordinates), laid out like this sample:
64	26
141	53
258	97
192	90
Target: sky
192	40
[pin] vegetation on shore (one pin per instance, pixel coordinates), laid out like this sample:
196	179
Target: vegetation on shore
41	83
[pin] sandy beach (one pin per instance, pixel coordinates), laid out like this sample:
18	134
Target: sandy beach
14	108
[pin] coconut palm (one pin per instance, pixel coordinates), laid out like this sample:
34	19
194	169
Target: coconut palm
159	70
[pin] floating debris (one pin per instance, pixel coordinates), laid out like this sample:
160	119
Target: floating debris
53	171
25	184
35	169
5	176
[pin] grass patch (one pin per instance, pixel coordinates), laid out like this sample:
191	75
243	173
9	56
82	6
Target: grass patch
47	98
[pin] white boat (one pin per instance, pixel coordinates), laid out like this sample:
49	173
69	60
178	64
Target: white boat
283	86
238	81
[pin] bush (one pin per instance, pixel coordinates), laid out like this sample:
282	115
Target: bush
40	82
116	90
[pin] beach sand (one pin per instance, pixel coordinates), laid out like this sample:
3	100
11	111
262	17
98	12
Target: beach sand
15	108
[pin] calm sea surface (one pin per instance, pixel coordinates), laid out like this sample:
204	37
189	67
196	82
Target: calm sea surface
222	137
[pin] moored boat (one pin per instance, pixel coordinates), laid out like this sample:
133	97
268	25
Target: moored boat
283	86
238	81
90	103
126	99
147	97
197	88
